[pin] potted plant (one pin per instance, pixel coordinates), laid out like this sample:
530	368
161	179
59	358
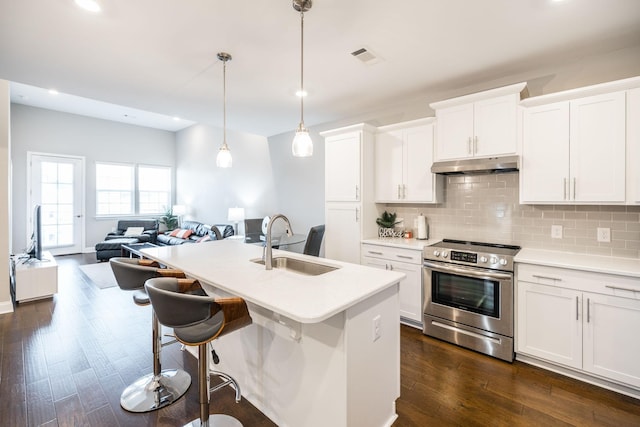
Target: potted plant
169	219
387	221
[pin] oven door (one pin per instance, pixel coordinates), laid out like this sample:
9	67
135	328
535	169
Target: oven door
475	297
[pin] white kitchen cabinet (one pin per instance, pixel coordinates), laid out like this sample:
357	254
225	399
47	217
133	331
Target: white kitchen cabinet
579	320
404	154
483	124
633	146
573	151
350	210
342	234
548	323
407	261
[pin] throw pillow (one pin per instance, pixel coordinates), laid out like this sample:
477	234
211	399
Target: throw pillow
204	239
134	231
183	234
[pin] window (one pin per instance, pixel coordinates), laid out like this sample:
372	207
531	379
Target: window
154	189
123	189
114	189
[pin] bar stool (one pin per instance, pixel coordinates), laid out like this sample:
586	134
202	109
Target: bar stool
161	387
198	320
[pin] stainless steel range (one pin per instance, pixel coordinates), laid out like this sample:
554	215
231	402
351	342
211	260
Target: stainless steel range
468	292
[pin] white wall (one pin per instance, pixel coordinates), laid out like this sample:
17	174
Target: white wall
208	191
299	182
5	193
45	131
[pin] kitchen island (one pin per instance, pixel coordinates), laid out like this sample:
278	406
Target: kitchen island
322	350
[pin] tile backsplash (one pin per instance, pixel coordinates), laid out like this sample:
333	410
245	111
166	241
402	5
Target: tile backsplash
485	207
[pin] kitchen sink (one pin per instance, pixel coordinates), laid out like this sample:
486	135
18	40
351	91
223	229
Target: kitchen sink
299	266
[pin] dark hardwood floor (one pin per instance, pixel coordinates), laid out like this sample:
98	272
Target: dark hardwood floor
65	360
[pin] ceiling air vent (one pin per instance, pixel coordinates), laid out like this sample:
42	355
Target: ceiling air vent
366	56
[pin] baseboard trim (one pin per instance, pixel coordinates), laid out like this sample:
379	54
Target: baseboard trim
6	307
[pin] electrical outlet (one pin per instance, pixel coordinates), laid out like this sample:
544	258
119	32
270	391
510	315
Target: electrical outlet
376	328
604	234
556	231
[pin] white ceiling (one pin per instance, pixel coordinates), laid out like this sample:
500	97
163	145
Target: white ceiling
158	57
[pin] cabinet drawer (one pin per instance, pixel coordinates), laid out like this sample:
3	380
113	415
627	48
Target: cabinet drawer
607	284
392	254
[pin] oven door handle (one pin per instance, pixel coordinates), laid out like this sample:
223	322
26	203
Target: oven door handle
454	269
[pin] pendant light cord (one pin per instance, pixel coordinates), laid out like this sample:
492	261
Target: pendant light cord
301	69
224	97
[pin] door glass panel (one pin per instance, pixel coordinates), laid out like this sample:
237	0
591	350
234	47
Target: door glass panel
57	196
480	296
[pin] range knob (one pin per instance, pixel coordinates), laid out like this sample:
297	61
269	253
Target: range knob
503	261
445	254
436	253
483	259
494	260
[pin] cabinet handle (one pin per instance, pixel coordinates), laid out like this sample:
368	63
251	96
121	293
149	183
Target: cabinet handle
621	289
475	145
577	307
357	215
574	188
404	191
588	309
375	253
564	188
404	256
399	196
357	193
469	145
547	277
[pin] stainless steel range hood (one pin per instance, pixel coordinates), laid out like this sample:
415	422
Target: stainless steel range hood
469	166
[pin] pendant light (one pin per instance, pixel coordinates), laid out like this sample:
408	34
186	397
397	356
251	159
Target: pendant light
223	160
302	145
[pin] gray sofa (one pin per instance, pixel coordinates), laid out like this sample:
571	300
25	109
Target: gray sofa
149	234
198	231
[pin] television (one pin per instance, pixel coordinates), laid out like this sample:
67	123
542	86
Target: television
35	250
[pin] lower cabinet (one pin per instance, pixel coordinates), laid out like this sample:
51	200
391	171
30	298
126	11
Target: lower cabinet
584	321
407	261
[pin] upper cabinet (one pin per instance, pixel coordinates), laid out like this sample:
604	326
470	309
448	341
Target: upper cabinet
342	166
483	124
633	146
577	146
403	158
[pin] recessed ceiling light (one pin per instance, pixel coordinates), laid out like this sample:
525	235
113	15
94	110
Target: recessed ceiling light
53	92
89	5
177	119
301	93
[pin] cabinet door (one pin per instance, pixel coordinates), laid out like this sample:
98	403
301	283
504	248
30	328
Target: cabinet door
342	167
544	172
611	347
549	324
410	290
418	179
342	234
495	126
633	146
598	148
455	132
389	157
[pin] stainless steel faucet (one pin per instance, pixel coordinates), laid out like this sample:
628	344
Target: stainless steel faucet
267	253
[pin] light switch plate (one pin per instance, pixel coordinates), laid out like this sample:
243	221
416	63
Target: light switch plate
604	234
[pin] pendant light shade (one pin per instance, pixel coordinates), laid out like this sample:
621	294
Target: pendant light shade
224	160
302	145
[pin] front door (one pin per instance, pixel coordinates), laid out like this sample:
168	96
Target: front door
57	184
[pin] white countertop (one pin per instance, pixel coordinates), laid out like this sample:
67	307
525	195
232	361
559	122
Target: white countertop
398	242
225	264
599	264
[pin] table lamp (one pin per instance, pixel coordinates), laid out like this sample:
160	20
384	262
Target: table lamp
236	215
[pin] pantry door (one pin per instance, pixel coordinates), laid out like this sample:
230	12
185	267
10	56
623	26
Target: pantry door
56	182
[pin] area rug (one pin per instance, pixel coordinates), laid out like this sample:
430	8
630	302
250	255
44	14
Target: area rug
100	274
